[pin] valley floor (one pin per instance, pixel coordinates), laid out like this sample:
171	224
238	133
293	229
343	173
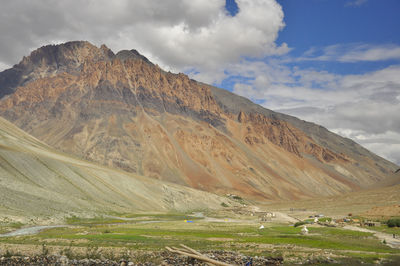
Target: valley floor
232	236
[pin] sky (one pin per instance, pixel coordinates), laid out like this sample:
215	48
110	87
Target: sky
332	62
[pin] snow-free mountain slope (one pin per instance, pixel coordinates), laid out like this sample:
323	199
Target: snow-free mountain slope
123	111
36	180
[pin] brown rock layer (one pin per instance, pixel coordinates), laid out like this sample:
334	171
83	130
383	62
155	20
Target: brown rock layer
123	111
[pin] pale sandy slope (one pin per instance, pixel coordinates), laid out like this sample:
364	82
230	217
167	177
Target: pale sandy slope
357	203
36	181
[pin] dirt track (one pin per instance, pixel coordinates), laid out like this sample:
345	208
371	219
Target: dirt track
390	241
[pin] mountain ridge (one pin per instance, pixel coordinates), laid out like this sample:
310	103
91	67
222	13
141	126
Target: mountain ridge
123	111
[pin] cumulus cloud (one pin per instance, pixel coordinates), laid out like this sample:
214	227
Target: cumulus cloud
180	35
351	53
201	38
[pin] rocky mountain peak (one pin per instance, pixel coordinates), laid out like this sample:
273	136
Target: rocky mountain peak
123	111
64	56
49	60
132	54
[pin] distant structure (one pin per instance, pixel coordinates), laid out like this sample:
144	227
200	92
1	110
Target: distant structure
371	223
304	230
266	216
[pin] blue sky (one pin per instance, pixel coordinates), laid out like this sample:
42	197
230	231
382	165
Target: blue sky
330	44
332	62
316	24
320	23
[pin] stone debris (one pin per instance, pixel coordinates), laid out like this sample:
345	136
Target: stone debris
228	257
155	258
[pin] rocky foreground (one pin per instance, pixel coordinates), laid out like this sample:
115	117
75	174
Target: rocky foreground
155	258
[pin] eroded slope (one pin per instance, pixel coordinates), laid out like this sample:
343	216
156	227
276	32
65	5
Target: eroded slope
36	180
123	111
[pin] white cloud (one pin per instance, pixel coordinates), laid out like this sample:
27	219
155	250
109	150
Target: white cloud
356	2
3	66
385	144
363	107
386	150
200	38
180	35
351	53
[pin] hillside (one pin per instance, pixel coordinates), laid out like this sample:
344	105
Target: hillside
122	111
35	180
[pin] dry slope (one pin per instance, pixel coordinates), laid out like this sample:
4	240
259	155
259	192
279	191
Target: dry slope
123	111
36	180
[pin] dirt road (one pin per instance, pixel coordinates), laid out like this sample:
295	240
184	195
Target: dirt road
390	241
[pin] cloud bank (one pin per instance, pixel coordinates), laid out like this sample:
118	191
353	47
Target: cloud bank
352	53
202	39
184	35
363	107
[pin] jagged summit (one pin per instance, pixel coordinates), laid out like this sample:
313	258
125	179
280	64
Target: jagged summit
132	54
123	111
52	59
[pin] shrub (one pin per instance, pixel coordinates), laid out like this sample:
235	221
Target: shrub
236	197
68	252
393	223
299	223
93	252
45	250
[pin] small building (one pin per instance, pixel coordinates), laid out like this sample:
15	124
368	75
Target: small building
371	223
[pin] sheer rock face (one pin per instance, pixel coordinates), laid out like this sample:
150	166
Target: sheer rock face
121	110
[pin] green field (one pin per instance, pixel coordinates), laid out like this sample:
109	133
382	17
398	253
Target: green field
153	232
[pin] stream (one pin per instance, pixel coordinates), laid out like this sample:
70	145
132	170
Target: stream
30	230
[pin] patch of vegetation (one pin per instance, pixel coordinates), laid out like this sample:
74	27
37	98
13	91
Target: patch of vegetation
93	252
301	223
6	227
351	258
325	219
223	204
244	237
9	254
45	250
386	229
393	223
68	252
320	219
74	220
236	198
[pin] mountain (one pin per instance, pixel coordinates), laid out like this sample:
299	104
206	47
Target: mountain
36	180
123	111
